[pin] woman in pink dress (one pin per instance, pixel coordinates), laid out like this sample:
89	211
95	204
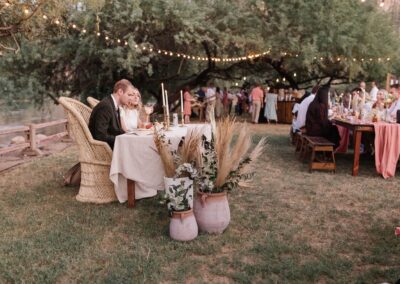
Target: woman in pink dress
187	105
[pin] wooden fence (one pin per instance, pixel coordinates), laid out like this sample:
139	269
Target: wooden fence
30	134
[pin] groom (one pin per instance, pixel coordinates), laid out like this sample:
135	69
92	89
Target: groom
104	122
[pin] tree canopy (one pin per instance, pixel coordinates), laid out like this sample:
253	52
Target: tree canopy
70	47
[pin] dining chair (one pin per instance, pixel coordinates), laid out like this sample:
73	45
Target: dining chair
94	156
92	101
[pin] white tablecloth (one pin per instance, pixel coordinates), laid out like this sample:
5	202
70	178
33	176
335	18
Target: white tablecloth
135	157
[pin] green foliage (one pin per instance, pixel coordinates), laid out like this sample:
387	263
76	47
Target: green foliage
61	60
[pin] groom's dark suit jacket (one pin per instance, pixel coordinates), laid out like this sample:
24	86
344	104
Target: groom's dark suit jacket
104	122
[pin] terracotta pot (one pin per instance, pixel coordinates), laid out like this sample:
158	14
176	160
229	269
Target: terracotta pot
183	226
212	212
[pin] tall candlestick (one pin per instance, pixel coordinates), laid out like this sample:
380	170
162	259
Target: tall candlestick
350	103
181	101
162	93
166	102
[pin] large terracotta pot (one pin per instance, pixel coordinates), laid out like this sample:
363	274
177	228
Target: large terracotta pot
183	226
212	212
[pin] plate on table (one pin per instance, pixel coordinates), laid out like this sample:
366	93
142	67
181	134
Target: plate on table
143	129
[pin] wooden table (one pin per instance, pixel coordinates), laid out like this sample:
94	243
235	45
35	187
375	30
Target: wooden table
284	111
136	168
358	128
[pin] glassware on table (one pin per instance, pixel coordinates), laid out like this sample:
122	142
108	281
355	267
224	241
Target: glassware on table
148	109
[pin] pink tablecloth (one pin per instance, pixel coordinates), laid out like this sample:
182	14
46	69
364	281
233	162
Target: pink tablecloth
387	148
344	139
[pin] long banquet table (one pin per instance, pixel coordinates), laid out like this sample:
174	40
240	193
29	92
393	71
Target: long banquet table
135	158
387	147
358	129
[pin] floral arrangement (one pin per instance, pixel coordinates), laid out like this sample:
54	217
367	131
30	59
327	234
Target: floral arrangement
179	164
223	166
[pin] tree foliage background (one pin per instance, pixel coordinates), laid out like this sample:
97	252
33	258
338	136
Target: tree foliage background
41	59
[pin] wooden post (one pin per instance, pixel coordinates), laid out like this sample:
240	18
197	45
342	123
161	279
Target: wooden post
32	137
33	149
388	77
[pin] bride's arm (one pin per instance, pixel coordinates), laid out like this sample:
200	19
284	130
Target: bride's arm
140	124
122	120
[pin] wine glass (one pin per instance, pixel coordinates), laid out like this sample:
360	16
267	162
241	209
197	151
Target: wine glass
148	109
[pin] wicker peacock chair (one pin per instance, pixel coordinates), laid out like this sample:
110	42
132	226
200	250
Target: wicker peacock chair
94	156
92	101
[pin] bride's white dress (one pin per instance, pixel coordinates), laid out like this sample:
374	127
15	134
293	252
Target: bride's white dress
130	117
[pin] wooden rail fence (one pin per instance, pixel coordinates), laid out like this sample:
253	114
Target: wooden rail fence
30	133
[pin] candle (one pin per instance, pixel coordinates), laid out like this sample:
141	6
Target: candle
181	101
162	93
166	102
350	102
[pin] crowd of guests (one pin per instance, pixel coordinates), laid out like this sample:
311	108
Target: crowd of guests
121	111
312	113
259	101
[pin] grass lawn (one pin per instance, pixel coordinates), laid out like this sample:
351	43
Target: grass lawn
291	226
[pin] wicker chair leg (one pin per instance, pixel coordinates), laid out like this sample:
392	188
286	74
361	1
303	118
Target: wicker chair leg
96	187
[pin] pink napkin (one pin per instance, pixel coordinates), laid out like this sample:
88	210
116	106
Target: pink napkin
344	139
387	148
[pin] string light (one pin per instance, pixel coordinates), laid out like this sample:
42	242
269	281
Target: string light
382	3
214	59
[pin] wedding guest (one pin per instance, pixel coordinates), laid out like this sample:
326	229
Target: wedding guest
394	90
233	96
257	96
300	121
130	113
317	122
104	122
187	104
357	99
225	101
271	105
219	108
373	92
380	100
210	99
201	93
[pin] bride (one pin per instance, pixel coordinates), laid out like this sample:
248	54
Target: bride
130	114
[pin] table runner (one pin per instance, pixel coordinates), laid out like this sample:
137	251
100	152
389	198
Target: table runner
387	148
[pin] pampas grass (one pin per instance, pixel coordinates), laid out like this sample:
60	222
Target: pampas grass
165	154
228	157
223	139
188	152
250	167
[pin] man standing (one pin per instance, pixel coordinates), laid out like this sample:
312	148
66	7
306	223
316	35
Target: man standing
257	95
104	122
210	99
374	92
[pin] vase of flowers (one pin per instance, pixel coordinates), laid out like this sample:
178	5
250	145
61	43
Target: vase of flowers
212	212
179	195
179	167
223	167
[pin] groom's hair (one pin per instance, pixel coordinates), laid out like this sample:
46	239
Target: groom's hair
122	84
